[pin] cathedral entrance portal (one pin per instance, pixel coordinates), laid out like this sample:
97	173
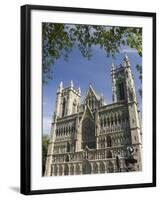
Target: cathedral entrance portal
66	170
86	167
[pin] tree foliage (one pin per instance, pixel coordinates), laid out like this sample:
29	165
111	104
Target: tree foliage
58	41
45	141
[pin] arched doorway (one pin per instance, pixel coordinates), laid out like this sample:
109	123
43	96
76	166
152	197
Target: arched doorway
55	170
77	169
102	167
86	167
71	169
110	168
95	168
60	170
66	169
67	158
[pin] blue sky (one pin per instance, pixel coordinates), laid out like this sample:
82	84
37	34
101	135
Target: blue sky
83	72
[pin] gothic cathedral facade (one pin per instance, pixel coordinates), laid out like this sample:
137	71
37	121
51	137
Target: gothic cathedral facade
94	137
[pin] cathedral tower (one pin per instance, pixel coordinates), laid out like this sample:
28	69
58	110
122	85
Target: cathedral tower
123	90
67	100
123	86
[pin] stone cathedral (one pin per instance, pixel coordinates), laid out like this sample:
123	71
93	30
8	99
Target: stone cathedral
94	137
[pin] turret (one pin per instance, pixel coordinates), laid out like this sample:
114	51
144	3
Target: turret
129	81
60	88
58	101
79	90
114	92
71	84
102	100
126	62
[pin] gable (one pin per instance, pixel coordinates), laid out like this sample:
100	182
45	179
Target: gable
92	94
88	113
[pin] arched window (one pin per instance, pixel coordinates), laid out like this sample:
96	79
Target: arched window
74	110
111	120
90	103
103	143
93	103
109	141
68	147
109	154
63	107
69	129
118	163
121	91
73	128
110	167
88	133
57	132
119	119
61	132
104	121
101	121
66	129
115	120
67	158
108	122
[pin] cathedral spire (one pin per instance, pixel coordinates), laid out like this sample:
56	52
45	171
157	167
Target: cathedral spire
113	67
113	82
60	88
79	90
126	57
102	99
71	84
126	62
61	84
